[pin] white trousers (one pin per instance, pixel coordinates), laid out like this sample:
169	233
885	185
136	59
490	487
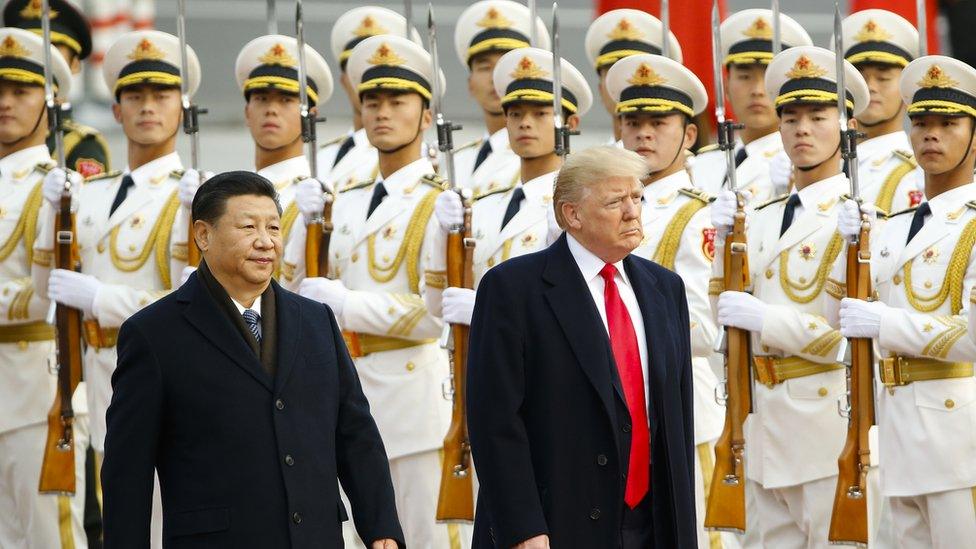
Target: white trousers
798	516
942	520
28	519
416	481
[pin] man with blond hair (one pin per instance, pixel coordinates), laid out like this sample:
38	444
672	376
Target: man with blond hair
567	426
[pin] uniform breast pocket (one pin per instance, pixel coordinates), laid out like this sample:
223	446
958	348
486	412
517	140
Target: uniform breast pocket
945	395
824	386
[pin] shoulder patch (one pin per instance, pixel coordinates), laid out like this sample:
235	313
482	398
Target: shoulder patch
435	181
470	144
488	192
900	212
772	201
107	175
353	185
334	141
698	194
904	156
45	167
708	148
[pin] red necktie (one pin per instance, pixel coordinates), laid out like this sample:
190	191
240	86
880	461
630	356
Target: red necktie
626	353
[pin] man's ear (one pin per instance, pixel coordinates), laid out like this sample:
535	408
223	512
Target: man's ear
202	234
117	112
852	123
691	136
570	213
573	122
426	118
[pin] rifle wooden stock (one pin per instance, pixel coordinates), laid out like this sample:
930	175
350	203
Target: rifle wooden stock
726	507
849	520
58	467
455	502
317	238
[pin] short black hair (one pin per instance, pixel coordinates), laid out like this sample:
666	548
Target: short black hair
210	202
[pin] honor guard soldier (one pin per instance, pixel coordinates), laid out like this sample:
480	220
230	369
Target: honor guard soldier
511	220
85	150
795	433
762	169
125	220
483	33
350	158
27	348
267	73
924	272
617	34
657	99
382	232
880	45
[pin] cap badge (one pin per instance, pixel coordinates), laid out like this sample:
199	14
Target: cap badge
645	76
33	10
368	27
760	29
871	32
935	77
805	68
625	30
494	20
10	47
526	68
385	56
278	55
146	50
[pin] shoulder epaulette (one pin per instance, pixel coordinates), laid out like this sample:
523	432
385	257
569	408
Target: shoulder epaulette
44	167
899	212
469	144
72	126
971	204
357	185
904	156
708	148
488	192
779	198
106	175
334	141
435	181
177	174
698	194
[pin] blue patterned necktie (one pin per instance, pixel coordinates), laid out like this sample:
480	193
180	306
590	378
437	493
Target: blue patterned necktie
253	321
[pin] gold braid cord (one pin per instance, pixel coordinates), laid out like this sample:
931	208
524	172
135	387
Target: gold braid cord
26	226
793	290
413	239
886	196
158	242
287	222
952	284
667	249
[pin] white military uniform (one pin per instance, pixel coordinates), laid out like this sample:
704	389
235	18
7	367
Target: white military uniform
708	168
285	175
889	176
27	377
497	171
679	236
358	164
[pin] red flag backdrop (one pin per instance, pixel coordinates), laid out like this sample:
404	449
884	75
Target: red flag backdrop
906	9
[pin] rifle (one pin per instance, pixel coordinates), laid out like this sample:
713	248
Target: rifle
726	507
777	34
562	131
319	231
58	467
271	9
191	125
849	519
666	28
922	22
455	501
533	28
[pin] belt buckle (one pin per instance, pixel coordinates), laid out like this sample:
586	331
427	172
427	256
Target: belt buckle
891	373
93	333
766	371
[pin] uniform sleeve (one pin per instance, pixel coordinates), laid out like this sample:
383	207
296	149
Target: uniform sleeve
43	256
694	264
942	337
90	156
401	315
115	303
179	252
293	257
20	303
434	279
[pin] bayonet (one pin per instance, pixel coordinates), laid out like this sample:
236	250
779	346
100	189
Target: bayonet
445	128
777	33
665	28
533	29
848	137
191	125
408	15
272	14
562	132
922	23
55	114
305	111
726	128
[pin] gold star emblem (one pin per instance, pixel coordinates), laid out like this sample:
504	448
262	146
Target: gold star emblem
935	77
759	29
645	76
368	27
625	30
871	32
526	68
807	251
278	55
493	19
10	47
385	56
33	10
812	326
927	327
805	68
146	50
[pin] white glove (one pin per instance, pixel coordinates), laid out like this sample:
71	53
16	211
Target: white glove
741	310
723	213
54	182
189	183
780	173
187	271
310	199
449	210
457	305
73	289
849	218
324	290
859	318
553	231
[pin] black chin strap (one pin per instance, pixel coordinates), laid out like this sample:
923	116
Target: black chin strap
818	164
968	147
675	157
399	148
17	141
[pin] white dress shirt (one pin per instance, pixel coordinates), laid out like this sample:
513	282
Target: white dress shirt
590	266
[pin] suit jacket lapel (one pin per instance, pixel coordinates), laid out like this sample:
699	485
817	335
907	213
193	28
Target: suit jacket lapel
579	319
288	330
203	312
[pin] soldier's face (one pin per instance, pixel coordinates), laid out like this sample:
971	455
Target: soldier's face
393	120
530	129
659	139
244	244
608	101
149	114
886	102
20	107
811	133
273	118
480	84
746	91
941	142
607	219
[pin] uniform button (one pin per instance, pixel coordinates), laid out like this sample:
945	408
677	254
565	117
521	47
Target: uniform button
355	258
601	460
280	404
296	518
626	428
896	279
949	403
822	391
411	366
769	273
22	345
289	461
595	513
